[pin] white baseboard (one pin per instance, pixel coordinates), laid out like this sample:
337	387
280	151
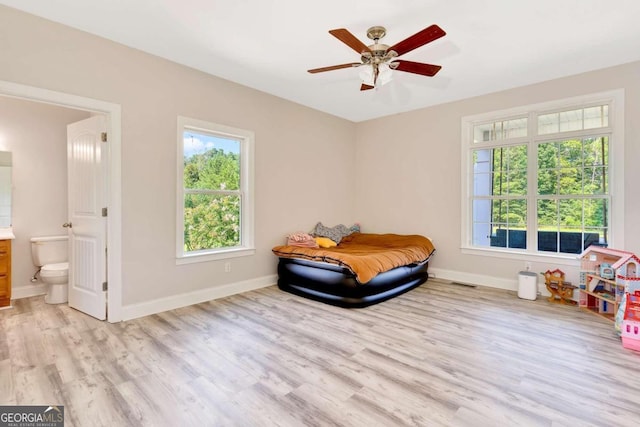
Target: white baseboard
159	305
147	308
482	280
19	292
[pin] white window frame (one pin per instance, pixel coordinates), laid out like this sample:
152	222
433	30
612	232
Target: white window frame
247	142
615	99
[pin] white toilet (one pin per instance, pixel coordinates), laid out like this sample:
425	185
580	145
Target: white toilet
51	255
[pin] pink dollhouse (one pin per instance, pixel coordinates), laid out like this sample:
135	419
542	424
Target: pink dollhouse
610	287
630	330
605	275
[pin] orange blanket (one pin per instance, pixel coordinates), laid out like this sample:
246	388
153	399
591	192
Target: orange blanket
366	255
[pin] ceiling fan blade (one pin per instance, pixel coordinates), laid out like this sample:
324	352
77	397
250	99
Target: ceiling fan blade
350	40
416	67
421	38
334	67
366	87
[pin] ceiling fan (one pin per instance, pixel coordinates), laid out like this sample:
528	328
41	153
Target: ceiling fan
380	59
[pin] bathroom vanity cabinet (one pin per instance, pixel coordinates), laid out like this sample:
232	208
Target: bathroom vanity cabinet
5	273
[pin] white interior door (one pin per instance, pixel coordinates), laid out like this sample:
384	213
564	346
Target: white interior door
86	224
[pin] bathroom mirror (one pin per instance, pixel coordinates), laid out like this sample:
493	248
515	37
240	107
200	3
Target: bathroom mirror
5	189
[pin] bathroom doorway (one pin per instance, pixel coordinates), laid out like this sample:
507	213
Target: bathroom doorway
111	304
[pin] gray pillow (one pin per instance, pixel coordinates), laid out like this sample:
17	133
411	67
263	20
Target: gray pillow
334	233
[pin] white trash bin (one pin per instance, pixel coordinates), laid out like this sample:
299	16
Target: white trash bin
527	285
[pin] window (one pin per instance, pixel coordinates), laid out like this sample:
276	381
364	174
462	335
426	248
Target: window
541	179
215	202
572	194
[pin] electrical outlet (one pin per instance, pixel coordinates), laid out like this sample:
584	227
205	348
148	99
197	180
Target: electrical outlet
227	267
527	266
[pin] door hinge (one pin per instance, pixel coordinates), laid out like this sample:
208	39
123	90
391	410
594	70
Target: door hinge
103	137
104	211
104	286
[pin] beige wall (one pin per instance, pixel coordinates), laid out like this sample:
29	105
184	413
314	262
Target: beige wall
408	169
304	158
35	134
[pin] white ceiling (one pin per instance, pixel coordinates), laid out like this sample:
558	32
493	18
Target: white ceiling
268	45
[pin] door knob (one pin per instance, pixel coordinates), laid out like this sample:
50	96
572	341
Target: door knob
67	225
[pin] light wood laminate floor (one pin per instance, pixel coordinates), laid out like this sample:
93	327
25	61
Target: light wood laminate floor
439	355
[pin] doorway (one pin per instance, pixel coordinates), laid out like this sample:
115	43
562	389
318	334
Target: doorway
112	163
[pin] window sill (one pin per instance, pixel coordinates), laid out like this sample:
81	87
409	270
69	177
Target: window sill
214	256
560	259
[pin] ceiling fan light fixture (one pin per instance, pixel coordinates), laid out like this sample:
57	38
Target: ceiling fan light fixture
368	75
385	75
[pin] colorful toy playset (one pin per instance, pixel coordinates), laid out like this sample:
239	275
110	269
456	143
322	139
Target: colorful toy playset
610	287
